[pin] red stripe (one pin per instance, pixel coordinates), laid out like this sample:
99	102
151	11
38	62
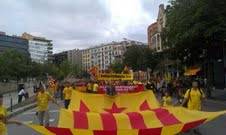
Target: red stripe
150	131
192	125
80	120
59	131
109	122
166	117
144	106
83	107
136	120
101	132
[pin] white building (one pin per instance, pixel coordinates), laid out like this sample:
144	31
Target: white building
104	55
40	48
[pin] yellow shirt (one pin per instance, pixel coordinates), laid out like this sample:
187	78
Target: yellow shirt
89	86
167	101
43	101
195	99
95	87
3	113
67	93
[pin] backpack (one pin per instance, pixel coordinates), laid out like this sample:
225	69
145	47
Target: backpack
185	103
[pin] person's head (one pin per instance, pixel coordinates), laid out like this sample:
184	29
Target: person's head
166	93
1	99
195	84
41	89
67	84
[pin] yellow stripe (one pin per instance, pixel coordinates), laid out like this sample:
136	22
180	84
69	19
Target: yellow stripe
122	121
66	119
97	102
81	132
150	119
186	116
41	129
94	121
127	132
172	130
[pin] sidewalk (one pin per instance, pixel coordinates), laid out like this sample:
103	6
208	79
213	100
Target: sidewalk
14	97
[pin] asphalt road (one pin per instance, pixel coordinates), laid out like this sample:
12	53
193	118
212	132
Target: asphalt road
30	117
217	126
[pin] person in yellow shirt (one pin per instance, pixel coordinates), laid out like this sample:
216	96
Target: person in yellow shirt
167	99
193	97
43	97
95	87
89	87
3	118
67	92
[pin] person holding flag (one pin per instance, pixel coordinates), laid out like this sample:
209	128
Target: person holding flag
193	97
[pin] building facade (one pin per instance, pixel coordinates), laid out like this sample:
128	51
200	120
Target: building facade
59	58
86	59
13	42
40	48
75	57
155	30
106	54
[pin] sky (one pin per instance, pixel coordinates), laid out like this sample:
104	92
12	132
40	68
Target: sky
79	23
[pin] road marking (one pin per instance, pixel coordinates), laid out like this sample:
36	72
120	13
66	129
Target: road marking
34	112
51	120
27	122
31	122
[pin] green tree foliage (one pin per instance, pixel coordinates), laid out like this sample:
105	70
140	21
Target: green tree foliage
117	67
140	58
14	65
193	26
67	68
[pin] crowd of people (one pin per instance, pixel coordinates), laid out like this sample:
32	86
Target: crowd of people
188	94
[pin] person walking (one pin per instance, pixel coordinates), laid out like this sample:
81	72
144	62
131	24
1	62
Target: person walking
95	87
167	99
67	92
21	94
110	89
193	97
43	98
3	118
89	87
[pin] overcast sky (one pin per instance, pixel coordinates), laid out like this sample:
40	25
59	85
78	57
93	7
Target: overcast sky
79	23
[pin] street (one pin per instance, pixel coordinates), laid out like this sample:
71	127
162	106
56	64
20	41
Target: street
215	126
30	117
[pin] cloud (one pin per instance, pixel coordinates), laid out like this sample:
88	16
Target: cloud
79	23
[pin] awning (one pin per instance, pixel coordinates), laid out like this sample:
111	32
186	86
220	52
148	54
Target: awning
192	71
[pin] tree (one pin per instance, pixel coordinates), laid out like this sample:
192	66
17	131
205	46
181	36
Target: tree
193	26
13	65
117	67
140	58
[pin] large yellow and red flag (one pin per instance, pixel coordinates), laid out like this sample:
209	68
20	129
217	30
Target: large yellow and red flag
125	114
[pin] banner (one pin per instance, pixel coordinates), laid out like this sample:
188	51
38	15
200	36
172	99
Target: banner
123	89
113	76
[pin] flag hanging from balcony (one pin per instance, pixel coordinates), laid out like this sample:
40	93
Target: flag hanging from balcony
125	114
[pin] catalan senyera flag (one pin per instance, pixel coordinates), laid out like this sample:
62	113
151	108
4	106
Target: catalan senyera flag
124	114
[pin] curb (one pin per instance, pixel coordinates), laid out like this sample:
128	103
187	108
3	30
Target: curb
23	109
